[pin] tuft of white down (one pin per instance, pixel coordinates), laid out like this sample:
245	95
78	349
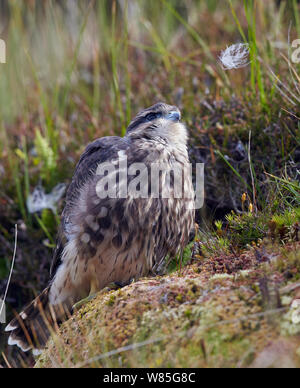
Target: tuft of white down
235	56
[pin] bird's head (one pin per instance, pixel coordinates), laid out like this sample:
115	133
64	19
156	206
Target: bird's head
159	121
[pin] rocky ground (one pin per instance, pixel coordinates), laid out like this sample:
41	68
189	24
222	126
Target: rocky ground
225	311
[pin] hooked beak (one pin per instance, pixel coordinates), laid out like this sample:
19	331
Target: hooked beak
174	116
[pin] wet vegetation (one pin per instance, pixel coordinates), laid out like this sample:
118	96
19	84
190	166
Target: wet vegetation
79	71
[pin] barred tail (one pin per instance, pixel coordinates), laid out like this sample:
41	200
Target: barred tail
31	328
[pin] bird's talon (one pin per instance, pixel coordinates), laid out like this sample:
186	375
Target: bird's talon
77	306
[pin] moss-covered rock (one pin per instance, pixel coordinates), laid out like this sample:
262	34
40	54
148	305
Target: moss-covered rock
202	316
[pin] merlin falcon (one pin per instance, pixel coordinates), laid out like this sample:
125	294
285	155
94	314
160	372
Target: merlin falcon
117	225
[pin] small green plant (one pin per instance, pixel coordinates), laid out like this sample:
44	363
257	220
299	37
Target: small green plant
288	189
219	225
181	259
257	80
285	226
246	228
45	157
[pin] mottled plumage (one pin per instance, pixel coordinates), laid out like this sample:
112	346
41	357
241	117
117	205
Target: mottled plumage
105	240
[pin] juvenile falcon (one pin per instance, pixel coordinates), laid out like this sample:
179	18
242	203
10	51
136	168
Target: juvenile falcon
130	205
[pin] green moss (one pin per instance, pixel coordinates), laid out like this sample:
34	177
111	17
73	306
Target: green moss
111	300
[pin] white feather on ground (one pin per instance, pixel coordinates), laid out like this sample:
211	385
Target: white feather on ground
235	56
39	200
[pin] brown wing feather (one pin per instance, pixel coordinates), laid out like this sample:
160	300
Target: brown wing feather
99	151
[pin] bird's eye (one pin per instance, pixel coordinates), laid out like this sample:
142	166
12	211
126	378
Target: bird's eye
152	116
